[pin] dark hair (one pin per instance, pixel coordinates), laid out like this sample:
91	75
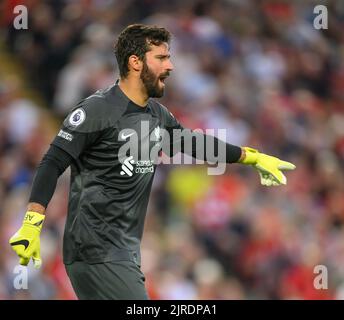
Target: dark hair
136	40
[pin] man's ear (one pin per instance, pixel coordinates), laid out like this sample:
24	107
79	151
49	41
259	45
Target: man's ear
134	63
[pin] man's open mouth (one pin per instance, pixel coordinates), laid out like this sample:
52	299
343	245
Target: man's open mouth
163	78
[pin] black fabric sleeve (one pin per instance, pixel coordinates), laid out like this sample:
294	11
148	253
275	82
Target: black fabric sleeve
53	164
220	150
83	127
233	152
198	145
203	147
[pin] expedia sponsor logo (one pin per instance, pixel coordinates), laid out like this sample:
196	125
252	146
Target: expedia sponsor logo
65	135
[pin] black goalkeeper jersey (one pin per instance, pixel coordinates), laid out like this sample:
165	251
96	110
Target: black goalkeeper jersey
108	197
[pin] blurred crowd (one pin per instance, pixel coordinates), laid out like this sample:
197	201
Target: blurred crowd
256	68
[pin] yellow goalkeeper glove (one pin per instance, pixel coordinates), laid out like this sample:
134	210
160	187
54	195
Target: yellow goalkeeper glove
26	242
268	167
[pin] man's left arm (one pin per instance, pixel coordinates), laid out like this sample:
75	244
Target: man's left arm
211	149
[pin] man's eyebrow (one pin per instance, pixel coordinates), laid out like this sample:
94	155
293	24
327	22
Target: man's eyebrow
163	56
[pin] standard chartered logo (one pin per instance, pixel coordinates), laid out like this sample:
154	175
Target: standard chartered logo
127	166
158	145
142	166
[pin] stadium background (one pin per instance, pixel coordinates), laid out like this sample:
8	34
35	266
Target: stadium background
258	69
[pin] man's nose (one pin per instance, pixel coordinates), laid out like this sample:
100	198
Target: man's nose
170	66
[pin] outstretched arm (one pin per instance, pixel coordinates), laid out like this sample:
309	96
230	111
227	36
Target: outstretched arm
187	141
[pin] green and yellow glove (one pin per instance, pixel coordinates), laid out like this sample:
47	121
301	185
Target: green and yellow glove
26	242
268	167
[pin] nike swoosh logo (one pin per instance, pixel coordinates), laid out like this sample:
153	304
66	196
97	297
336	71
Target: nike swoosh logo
125	136
37	224
23	242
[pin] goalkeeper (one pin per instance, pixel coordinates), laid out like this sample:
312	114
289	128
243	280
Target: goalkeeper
109	189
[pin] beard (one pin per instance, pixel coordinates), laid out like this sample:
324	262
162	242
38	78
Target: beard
151	82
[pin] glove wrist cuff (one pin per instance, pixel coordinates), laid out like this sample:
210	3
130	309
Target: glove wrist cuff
251	156
34	219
